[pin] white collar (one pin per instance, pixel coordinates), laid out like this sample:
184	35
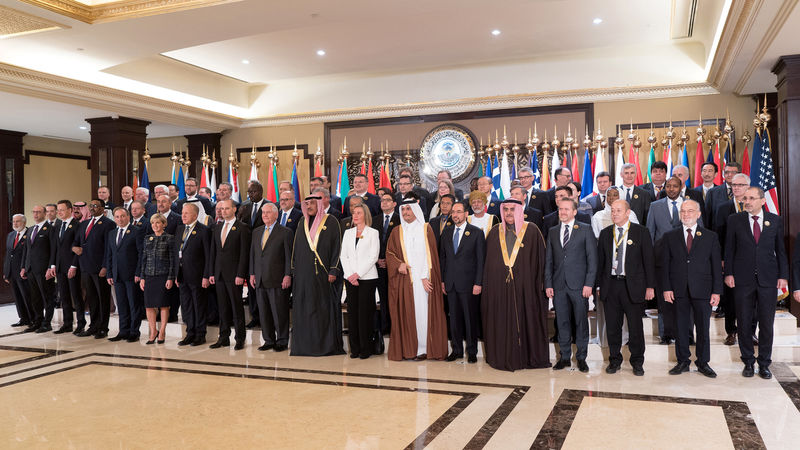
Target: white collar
124	228
40	224
569	224
230	222
760	215
693	228
191	225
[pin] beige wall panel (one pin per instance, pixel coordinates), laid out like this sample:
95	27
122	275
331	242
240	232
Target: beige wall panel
166	145
159	169
43	144
48	180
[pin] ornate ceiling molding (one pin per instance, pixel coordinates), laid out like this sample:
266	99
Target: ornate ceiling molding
23	81
477	104
735	33
119	10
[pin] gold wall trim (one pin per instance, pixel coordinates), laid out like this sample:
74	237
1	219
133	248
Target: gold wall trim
123	9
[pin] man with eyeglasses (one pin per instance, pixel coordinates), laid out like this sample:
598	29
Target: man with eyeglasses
718	195
191	193
406	185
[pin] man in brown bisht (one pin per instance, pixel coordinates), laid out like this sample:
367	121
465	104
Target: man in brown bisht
416	307
513	308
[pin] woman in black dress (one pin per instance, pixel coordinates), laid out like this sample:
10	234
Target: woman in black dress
157	274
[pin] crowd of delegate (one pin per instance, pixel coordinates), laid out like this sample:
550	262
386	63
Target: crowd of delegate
427	269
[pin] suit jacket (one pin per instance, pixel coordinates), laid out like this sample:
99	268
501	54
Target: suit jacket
551	220
291	222
377	223
640	202
541	200
360	258
191	262
173	220
715	197
438	225
271	264
65	257
696	273
40	254
336	203
572	266
424	203
535	217
337	213
12	264
463	268
706	212
750	263
245	214
659	220
650	188
149	209
595	203
93	256
724	210
121	260
208	206
371	200
457	193
690	194
232	260
639	262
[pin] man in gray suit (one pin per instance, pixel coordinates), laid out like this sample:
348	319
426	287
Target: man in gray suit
664	215
569	274
270	275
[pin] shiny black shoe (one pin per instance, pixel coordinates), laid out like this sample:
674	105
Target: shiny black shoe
679	368
20	324
612	368
117	338
220	343
706	370
280	348
86	333
472	359
101	334
252	324
239	345
638	371
748	371
266	347
664	341
198	341
63	329
44	329
78	330
186	341
452	357
31	328
764	372
582	366
132	339
562	363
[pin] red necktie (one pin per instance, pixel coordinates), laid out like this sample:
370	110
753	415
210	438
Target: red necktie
689	239
89	228
756	229
16	240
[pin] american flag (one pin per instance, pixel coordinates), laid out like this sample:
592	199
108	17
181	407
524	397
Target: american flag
762	173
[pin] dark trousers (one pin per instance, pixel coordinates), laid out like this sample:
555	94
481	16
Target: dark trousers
41	301
174	302
666	312
273	312
130	305
361	316
69	290
98	296
384	322
753	301
194	302
212	307
618	304
572	307
22	293
729	306
252	303
465	309
687	309
231	309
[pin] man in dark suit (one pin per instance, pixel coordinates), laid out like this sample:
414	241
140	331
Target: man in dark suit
142	196
250	212
551	219
360	185
190	187
531	215
334	202
492	203
755	265
461	256
104	194
69	288
230	246
686	193
692	280
326	202
385	222
38	268
658	175
270	274
288	216
192	251
123	246
637	198
173	219
603	181
139	217
562	177
626	277
405	186
12	265
708	172
442	221
90	247
532	197
718	195
569	276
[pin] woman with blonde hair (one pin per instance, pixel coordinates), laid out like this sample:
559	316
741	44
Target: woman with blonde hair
444	187
156	274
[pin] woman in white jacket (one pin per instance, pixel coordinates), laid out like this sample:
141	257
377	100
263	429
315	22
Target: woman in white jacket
360	247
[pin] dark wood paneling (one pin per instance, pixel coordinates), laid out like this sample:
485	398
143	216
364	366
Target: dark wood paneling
11	157
211	141
118	137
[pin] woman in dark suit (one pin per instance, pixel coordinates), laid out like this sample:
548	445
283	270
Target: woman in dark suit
360	247
157	274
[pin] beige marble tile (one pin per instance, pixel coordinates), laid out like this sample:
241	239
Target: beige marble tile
7	356
620	423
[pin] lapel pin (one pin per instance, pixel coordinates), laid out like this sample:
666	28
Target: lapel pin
466	233
575	226
522	244
194	232
699	233
233	228
630	242
127	231
448	223
766	223
525	215
151	238
491	204
288	220
70	226
635	195
325	227
533	196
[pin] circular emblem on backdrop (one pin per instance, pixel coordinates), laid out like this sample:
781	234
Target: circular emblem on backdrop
448	147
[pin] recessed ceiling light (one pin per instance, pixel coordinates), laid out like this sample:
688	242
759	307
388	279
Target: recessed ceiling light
320	52
495	32
82	127
245	61
597	21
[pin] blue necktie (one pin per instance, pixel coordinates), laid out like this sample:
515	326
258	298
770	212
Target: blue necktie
255	212
566	236
675	218
283	219
455	240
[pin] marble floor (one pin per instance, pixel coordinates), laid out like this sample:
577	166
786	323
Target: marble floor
70	392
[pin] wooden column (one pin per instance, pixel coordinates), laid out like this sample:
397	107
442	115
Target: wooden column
787	158
113	141
211	141
12	197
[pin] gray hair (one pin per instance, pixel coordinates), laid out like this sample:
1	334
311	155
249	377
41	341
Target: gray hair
323	191
161	186
192	206
143	189
526	170
627	166
24	219
741	176
270	206
680	166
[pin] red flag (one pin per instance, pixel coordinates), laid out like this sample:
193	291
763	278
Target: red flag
698	164
718	161
135	182
317	169
384	181
203	177
634	158
271	194
576	174
746	162
363	168
371	178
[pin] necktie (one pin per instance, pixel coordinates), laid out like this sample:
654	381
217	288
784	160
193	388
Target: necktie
63	228
89	227
16	240
689	239
658	190
566	236
224	233
254	215
628	194
385	225
283	218
35	230
264	238
455	240
185	235
675	217
741	206
619	252
442	223
119	236
730	192
756	229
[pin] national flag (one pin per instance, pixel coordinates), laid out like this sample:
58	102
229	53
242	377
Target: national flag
344	186
233	179
587	188
203	177
295	182
181	184
763	172
746	161
668	158
317	168
135	183
145	181
535	169
576	174
275	177
556	164
174	175
650	160
545	178
505	178
685	163
634	158
618	167
598	165
710	154
718	161
385	180
496	189
489	167
338	180
698	164
212	185
370	178
253	172
272	193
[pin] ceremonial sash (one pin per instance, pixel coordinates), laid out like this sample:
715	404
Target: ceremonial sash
312	244
509	261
